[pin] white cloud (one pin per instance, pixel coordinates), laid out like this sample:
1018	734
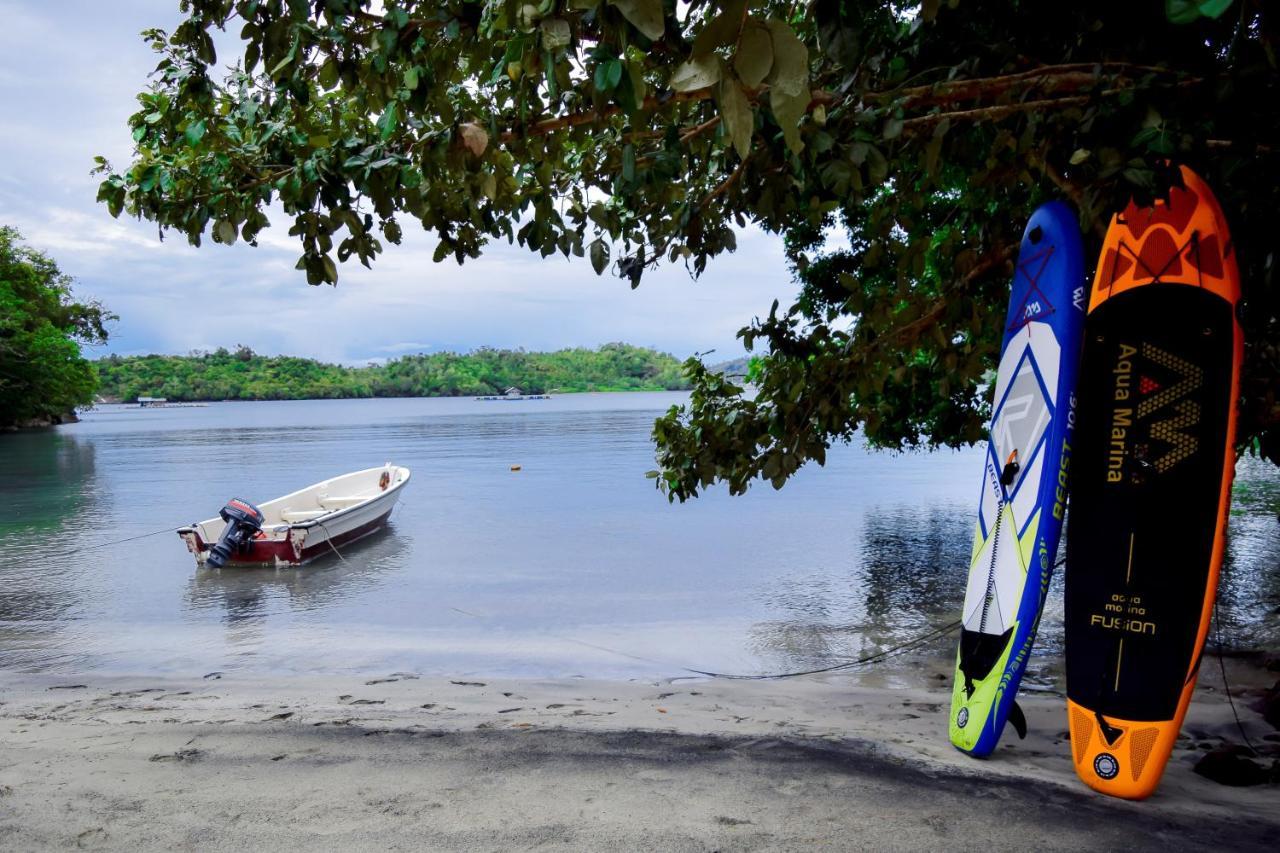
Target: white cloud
405	346
174	298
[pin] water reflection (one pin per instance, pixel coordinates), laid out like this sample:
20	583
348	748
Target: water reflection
915	563
1249	588
46	478
251	594
901	583
49	491
909	578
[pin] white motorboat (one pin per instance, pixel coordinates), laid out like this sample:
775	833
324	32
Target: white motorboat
300	526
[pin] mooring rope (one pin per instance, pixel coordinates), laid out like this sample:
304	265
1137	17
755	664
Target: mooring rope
1217	630
329	540
122	541
900	649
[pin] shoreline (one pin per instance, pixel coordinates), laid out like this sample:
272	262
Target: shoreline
399	761
547	396
43	422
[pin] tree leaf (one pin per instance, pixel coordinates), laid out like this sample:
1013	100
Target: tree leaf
639	88
721	30
931	153
1079	156
877	166
737	115
628	162
555	33
625	95
754	57
1190	11
790	70
1181	11
788	82
195	132
696	73
644	15
328	76
1214	8
474	137
599	255
225	232
608	75
389	120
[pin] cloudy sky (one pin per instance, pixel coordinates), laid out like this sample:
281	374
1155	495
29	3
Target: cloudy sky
69	71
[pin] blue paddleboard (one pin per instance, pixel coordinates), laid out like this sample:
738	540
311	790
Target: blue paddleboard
1024	480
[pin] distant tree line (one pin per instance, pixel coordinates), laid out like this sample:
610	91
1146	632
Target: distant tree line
242	374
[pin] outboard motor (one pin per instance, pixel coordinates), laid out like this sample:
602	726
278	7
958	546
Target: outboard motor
243	521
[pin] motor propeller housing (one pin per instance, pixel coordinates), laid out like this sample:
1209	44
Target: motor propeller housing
244	521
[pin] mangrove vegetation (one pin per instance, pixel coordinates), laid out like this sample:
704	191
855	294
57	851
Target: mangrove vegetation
43	374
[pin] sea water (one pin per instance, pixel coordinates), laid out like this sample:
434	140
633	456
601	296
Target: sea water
573	565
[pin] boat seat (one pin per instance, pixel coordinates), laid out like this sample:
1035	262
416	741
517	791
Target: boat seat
332	502
298	515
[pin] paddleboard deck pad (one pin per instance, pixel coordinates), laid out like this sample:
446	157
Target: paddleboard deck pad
1151	483
1024	479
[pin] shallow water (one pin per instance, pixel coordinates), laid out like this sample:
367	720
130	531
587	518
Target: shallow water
574	565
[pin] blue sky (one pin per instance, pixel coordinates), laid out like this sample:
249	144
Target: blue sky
69	71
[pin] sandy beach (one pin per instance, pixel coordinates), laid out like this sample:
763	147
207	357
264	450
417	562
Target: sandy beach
402	762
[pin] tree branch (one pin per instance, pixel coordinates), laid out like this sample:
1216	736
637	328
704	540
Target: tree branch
699	129
1056	78
724	185
993	259
1260	148
551	125
996	112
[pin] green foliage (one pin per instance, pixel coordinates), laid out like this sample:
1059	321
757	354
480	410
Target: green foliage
42	374
550	125
923	134
896	332
243	375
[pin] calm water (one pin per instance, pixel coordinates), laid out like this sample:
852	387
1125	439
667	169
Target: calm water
573	566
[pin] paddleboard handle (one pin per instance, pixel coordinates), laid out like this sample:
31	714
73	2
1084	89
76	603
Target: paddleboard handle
1011	468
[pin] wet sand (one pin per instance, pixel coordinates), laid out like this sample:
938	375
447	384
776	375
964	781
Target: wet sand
401	762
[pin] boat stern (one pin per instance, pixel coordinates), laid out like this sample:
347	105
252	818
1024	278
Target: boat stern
279	548
197	546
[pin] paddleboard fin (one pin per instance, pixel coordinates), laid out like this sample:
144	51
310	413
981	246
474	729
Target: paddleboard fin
1018	720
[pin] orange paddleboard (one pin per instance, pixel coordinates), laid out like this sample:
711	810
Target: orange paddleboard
1151	482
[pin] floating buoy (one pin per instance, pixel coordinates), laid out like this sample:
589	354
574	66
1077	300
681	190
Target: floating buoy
515	467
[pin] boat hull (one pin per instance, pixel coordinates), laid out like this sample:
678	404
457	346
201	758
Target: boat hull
295	549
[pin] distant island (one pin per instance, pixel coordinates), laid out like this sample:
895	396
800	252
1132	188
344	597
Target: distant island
736	369
242	374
